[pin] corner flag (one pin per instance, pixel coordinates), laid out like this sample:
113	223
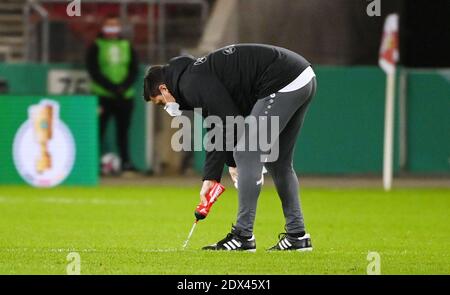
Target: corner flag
388	58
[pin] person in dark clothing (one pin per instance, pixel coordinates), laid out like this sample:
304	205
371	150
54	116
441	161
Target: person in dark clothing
254	81
113	67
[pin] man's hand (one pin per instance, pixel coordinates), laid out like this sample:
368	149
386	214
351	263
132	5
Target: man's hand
234	175
207	185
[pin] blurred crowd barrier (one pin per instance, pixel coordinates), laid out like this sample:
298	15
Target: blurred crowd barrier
157	29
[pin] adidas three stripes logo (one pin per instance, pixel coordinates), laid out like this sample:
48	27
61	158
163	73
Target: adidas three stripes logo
284	244
232	245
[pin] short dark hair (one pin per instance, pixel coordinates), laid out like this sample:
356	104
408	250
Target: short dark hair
152	79
111	16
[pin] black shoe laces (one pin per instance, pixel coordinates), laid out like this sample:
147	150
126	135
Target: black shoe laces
227	238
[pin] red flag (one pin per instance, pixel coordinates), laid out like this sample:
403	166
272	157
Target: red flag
389	54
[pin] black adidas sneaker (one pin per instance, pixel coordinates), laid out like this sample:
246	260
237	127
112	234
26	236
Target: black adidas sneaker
234	242
291	243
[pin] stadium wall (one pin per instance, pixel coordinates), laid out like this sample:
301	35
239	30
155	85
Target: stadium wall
343	131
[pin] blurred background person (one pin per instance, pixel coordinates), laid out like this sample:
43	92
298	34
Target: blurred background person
113	67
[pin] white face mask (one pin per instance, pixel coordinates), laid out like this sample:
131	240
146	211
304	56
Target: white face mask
172	108
111	29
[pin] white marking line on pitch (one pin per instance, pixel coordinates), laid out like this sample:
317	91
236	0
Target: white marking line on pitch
52	250
4	199
161	250
59	250
94	201
69	201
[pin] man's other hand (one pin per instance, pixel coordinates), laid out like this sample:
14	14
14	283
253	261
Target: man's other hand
234	175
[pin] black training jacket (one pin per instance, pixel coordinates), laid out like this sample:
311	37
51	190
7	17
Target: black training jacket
228	82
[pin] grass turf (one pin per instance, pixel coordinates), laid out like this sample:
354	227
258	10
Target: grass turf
140	230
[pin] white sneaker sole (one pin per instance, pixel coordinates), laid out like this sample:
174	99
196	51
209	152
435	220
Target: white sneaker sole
250	250
305	249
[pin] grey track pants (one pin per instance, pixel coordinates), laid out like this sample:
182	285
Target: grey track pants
291	108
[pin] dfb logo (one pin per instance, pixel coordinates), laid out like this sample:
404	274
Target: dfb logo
74	8
374	8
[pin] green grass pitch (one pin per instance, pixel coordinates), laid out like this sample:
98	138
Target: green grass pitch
140	230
